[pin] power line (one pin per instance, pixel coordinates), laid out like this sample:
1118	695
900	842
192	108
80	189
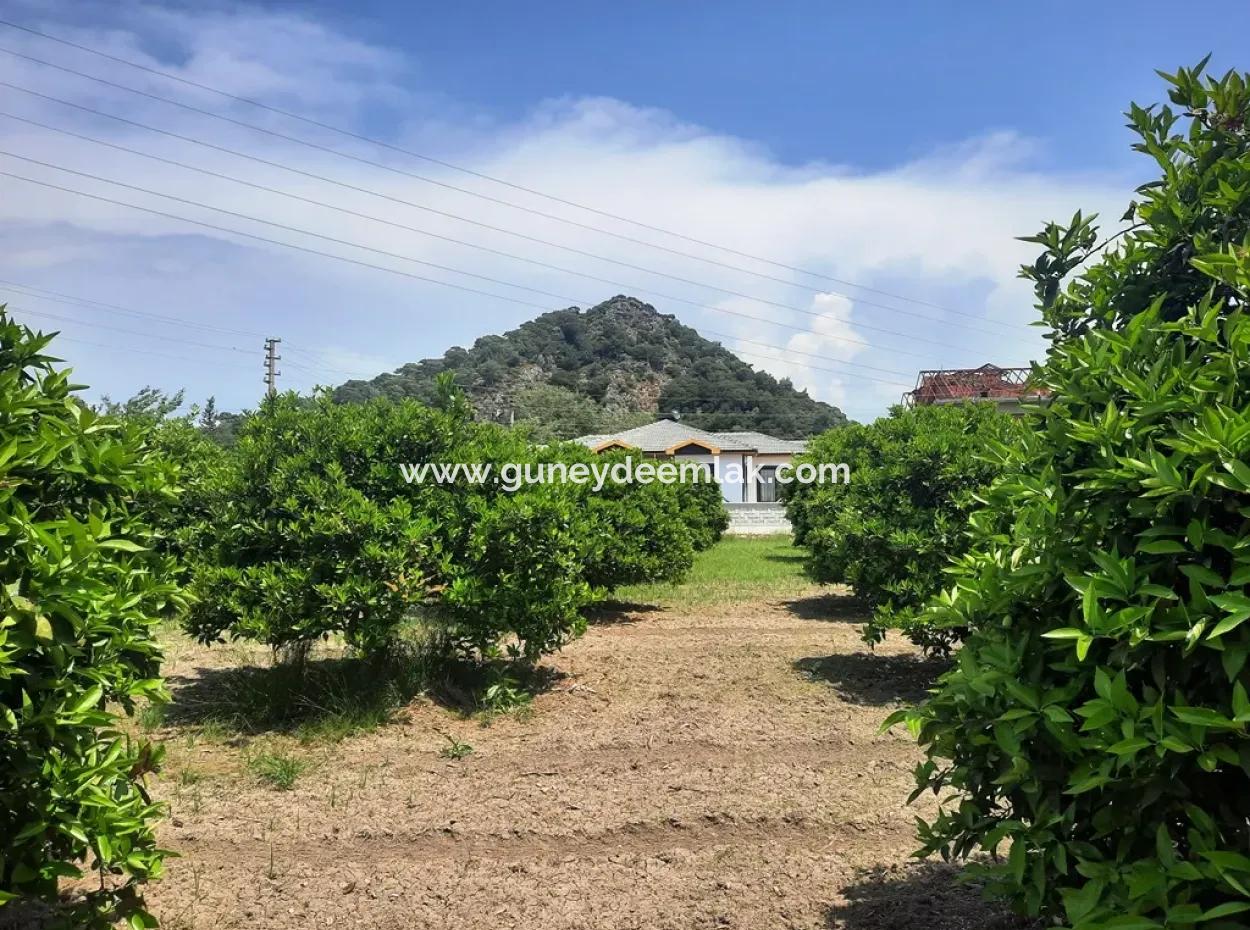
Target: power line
835	371
181	358
270	356
147	335
131	332
767	345
73	301
443	213
247	235
343	258
461	190
631	287
326	367
69	300
295	229
469	171
388	254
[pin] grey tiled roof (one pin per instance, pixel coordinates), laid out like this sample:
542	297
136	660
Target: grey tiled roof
764	443
664	434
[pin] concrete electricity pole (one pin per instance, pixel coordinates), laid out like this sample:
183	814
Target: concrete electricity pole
271	359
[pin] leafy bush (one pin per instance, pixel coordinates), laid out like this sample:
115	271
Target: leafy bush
195	460
640	535
317	533
300	544
890	531
314	531
81	593
518	571
1097	717
703	512
191	446
643	532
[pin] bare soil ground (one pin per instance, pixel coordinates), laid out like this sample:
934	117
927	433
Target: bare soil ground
710	768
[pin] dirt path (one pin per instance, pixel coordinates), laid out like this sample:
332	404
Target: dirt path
687	771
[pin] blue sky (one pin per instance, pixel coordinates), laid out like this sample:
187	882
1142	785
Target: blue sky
900	148
792	76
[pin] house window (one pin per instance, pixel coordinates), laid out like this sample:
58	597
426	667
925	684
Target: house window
766	485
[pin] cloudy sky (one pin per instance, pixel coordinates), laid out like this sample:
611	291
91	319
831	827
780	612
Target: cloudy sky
845	186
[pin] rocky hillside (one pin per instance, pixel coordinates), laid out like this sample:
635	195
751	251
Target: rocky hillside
617	364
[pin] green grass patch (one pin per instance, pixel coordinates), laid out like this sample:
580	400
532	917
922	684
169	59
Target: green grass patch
278	770
738	568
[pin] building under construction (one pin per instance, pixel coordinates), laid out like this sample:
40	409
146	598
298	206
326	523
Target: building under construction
1008	388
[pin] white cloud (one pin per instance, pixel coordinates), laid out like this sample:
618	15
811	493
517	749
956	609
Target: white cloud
940	228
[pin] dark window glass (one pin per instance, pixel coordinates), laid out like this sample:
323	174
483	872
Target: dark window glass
766	485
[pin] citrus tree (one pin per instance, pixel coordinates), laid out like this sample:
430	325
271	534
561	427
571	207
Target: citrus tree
81	591
297	544
891	530
1094	728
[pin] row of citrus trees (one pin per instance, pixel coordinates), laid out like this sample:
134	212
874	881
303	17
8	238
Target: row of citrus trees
304	529
307	528
1091	563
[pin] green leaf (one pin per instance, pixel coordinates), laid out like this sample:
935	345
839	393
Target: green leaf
1203	716
123	545
1233	862
1161	547
1067	632
89	701
1082	647
43	629
1238	608
1226	909
1203	575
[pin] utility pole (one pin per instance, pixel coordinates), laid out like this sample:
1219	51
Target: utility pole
271	372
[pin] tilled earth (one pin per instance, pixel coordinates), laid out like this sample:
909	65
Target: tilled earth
685	770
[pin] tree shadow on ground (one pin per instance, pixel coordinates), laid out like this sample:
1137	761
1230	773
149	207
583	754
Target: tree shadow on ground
787	557
919	896
611	613
332	697
869	678
830	607
76	906
33	914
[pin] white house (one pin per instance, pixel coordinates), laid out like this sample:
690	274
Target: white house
746	461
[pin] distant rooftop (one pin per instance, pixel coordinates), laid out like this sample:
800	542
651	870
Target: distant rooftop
989	382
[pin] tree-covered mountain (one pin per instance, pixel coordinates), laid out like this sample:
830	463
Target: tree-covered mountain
618	364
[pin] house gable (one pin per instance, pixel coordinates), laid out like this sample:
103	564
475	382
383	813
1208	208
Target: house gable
612	444
693	446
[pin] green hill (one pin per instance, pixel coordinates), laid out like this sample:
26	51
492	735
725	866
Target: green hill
617	364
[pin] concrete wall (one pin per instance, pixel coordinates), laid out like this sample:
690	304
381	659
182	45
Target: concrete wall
757	519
